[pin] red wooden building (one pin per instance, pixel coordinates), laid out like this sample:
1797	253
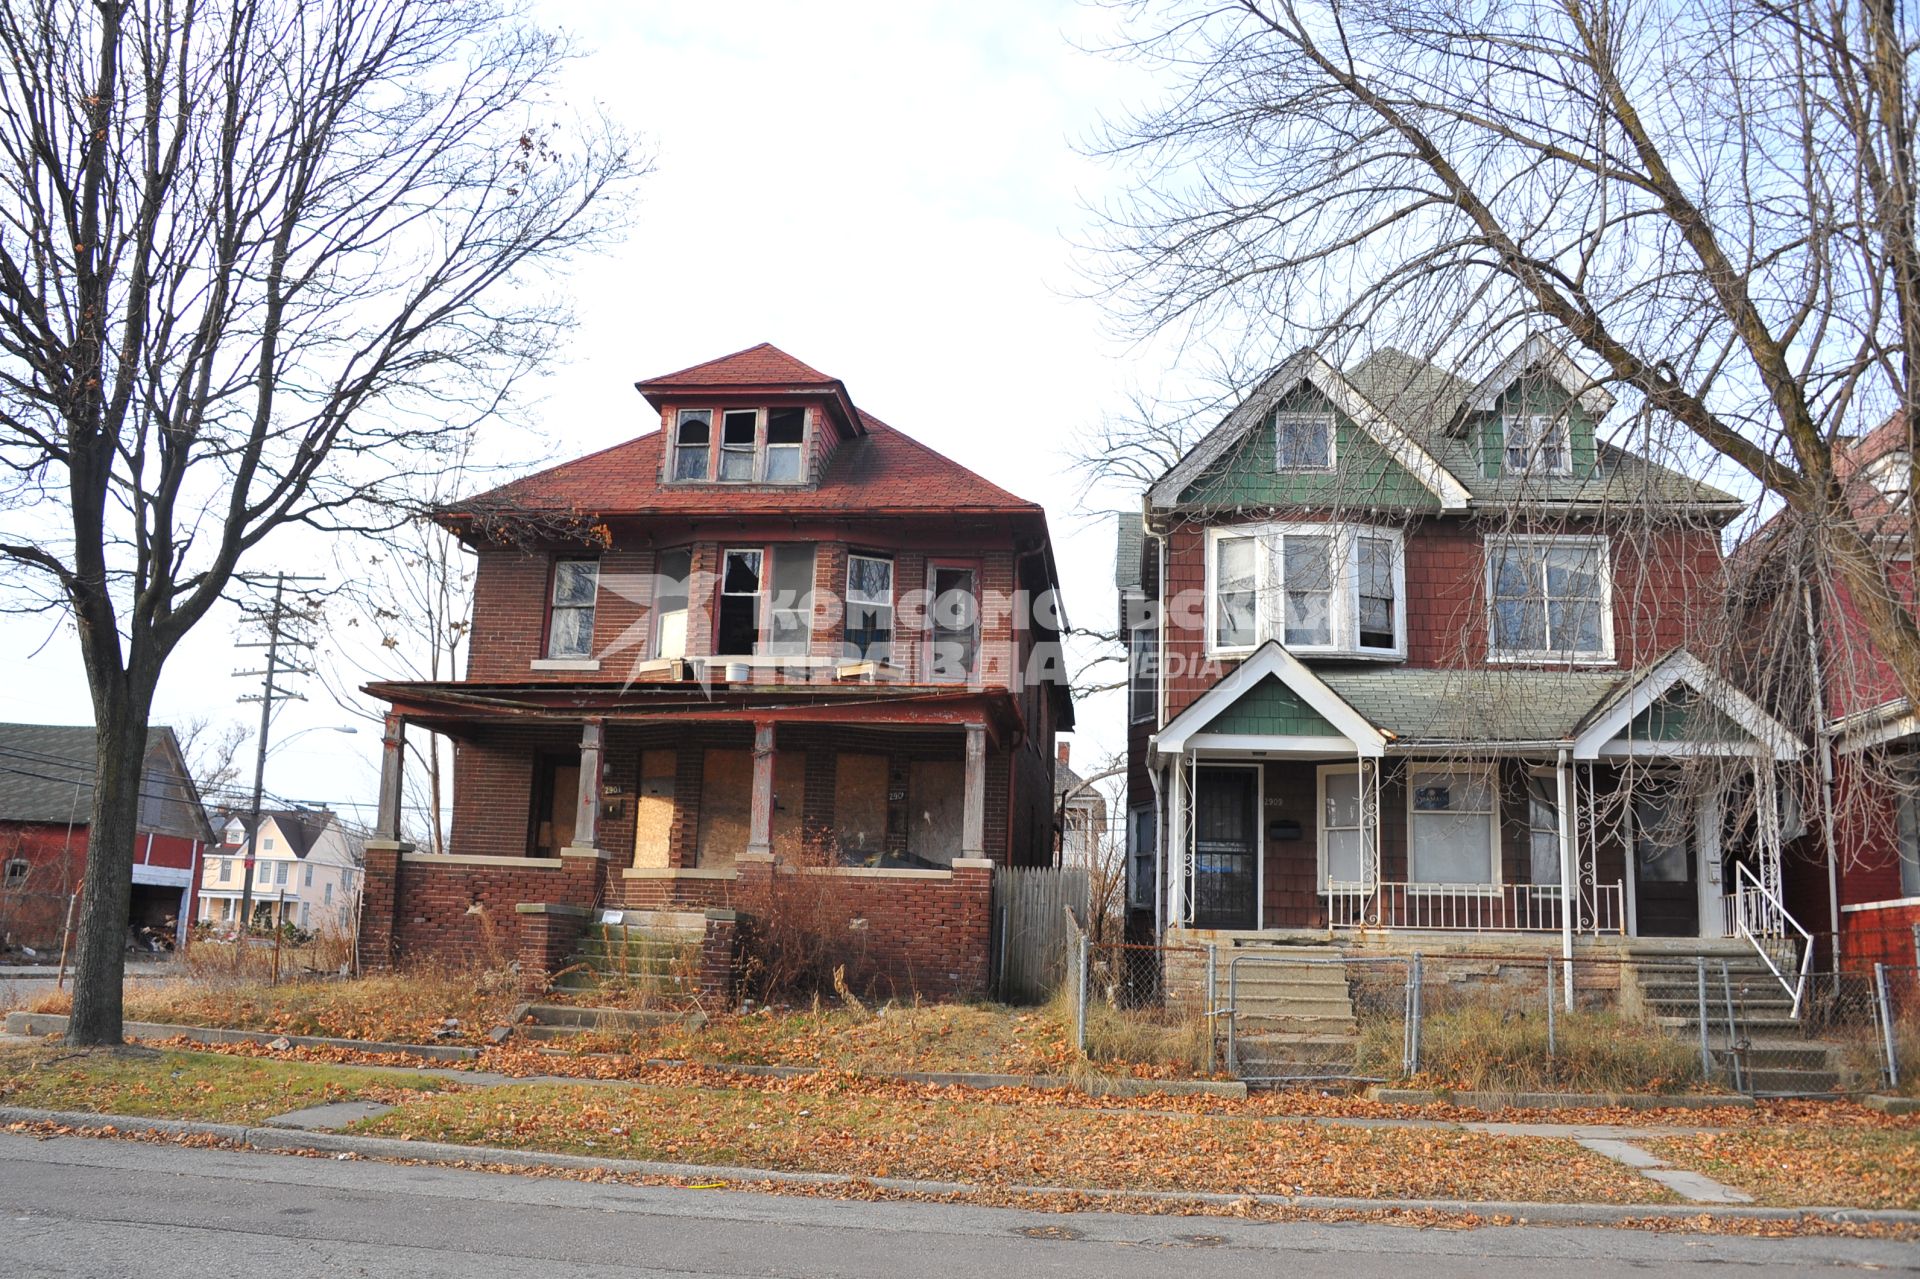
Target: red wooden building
775	631
46	799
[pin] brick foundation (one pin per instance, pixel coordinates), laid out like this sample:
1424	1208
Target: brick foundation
549	935
720	961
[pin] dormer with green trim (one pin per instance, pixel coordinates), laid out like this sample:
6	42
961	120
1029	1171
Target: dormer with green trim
1536	428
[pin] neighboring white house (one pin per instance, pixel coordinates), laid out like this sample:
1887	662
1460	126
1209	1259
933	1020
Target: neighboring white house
307	872
1080	815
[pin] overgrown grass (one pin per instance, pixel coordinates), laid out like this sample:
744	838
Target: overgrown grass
1145	1041
407	1007
184	1085
1486	1049
1792	1167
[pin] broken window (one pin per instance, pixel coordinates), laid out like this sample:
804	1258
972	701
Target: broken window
955	623
786	433
17	869
690	443
790	627
570	617
739	430
672	569
869	608
740	604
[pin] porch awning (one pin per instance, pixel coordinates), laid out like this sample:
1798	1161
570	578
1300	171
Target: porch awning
1272	703
1678	707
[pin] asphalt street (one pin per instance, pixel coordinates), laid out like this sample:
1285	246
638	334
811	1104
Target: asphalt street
21	985
75	1206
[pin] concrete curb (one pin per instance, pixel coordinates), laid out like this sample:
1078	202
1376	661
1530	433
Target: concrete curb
288	1141
1892	1105
1556	1100
55	1023
33	1024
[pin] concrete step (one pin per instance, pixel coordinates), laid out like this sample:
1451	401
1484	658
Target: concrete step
1312	1005
1328	1027
564	1017
593	979
1780	1082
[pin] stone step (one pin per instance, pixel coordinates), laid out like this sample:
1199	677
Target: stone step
593	979
1257	1025
1717	1023
1779	1081
577	1017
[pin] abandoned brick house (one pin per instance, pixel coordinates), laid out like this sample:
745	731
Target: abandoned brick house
1411	667
774	632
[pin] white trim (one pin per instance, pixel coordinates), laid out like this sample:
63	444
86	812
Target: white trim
1536	352
1250	413
1343	620
564	664
1875	726
1891	903
162	876
1271	659
1276	746
475	859
1602	656
1556	424
1489	775
1678	667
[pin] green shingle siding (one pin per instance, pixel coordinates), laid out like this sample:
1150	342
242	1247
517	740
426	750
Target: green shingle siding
1536	396
1683	717
1270	708
1363	474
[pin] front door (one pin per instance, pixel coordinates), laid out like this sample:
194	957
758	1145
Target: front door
1667	902
1226	874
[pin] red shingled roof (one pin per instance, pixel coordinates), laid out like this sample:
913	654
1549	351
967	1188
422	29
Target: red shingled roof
762	365
880	471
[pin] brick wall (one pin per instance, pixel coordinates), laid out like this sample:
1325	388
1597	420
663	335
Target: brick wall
448	911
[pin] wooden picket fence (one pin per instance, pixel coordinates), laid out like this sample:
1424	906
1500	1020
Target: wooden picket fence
1033	933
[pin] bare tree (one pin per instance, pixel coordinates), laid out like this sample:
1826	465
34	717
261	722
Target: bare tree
1715	204
211	749
262	264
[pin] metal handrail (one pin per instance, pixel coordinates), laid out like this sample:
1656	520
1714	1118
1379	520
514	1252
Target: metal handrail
1778	914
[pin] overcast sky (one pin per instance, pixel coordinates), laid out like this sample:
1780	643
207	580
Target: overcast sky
890	192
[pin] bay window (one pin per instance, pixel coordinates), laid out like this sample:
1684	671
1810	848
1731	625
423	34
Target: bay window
576	582
869	611
1450	826
1550	599
1317	588
762	611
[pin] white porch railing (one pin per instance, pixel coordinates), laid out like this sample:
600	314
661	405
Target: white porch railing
1753	912
1532	908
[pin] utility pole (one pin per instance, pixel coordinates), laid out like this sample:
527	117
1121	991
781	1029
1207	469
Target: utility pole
276	620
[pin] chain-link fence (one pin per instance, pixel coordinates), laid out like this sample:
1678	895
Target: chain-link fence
1499	1022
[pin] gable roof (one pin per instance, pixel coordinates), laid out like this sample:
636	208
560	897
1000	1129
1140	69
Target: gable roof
762	364
46	776
1271	661
1611	717
299	828
1307	367
1538	355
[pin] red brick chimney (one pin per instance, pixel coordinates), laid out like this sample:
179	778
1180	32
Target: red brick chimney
1066	748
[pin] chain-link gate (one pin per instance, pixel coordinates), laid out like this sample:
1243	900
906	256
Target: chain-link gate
1301	1019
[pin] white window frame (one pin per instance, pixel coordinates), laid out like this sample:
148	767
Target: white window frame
1301	418
1604	655
891	604
1541	429
721	449
18	869
669	639
1320	827
1344	621
682	417
1136	684
1488	774
767	446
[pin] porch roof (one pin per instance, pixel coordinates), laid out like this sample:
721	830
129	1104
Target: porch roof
1474	705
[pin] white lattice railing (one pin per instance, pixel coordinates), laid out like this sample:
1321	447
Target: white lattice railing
1528	908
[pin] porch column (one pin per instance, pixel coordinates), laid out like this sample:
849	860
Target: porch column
973	806
586	817
1569	889
393	753
760	813
1177	813
1767	817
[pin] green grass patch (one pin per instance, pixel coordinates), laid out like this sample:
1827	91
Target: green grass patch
184	1085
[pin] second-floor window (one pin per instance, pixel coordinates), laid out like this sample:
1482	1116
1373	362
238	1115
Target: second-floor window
953	628
576	583
693	436
762	611
1317	588
1537	443
1550	599
869	612
1303	441
671	571
1143	671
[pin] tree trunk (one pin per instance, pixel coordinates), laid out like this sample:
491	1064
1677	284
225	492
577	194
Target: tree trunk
120	735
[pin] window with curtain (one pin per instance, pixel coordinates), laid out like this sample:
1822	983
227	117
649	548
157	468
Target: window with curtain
1543	830
1450	828
1343	828
1314	587
1303	441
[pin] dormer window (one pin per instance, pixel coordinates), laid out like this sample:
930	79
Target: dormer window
1536	443
786	432
692	437
1303	441
1889	476
738	431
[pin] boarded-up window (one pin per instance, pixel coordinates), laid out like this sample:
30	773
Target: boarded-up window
860	806
653	809
726	800
935	809
789	802
556	803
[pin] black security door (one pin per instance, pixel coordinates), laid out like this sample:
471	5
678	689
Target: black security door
1226	874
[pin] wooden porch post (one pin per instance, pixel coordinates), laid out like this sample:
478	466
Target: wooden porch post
973	811
586	817
393	754
760	818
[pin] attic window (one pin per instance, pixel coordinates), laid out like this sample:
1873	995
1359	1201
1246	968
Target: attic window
1537	443
694	434
17	869
1303	441
1889	477
786	431
739	429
